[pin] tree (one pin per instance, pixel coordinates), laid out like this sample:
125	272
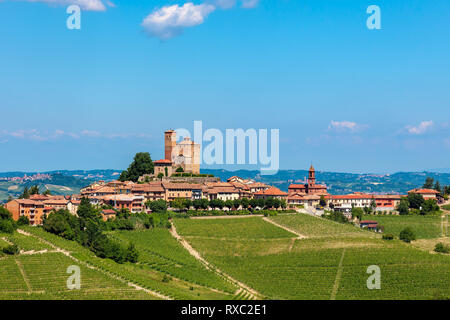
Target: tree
357	213
200	204
322	201
25	193
166	171
85	209
179	169
415	200
407	235
47	192
276	203
142	164
269	203
437	187
7	226
403	207
177	204
373	205
428	183
187	204
429	206
228	204
34	190
157	205
236	203
217	203
160	175
5	214
245	203
132	253
23	221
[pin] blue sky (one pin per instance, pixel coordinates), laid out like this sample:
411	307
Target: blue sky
345	97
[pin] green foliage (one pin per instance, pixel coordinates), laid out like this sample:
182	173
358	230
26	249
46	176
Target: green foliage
429	206
357	213
5	214
441	248
388	236
132	253
407	235
157	205
200	204
179	169
336	216
428	183
7	226
142	164
11	250
23	221
403	207
322	201
415	200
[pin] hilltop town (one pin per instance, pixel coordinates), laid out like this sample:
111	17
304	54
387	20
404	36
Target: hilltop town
177	181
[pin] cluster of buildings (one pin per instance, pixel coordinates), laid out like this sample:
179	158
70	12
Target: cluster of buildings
34	177
186	155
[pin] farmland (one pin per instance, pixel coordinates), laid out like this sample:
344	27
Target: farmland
309	268
329	262
425	227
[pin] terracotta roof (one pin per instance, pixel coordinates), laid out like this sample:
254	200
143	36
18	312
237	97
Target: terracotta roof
56	202
423	191
162	161
272	191
188	186
108	211
297	186
352	196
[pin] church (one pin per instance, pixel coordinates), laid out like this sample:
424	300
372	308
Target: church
310	188
184	154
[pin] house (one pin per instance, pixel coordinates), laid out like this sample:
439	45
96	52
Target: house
369	225
108	214
271	192
133	203
428	194
32	209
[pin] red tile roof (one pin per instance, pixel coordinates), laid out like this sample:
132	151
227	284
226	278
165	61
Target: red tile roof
163	161
423	191
272	191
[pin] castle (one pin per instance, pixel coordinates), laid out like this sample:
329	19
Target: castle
184	154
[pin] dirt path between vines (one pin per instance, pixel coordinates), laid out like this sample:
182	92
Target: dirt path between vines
299	235
255	295
86	264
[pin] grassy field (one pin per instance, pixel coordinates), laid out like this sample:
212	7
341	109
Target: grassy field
425	227
320	267
161	251
245	228
148	273
315	227
331	263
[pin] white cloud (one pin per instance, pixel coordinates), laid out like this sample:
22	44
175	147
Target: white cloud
169	21
345	126
88	5
423	127
249	4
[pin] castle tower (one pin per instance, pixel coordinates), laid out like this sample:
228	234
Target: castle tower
312	176
170	142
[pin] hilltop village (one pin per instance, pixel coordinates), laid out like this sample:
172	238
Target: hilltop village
177	177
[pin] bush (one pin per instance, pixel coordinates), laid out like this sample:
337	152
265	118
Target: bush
7	226
441	248
388	236
407	235
11	250
23	221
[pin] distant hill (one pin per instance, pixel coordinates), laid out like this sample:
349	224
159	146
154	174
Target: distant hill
66	182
